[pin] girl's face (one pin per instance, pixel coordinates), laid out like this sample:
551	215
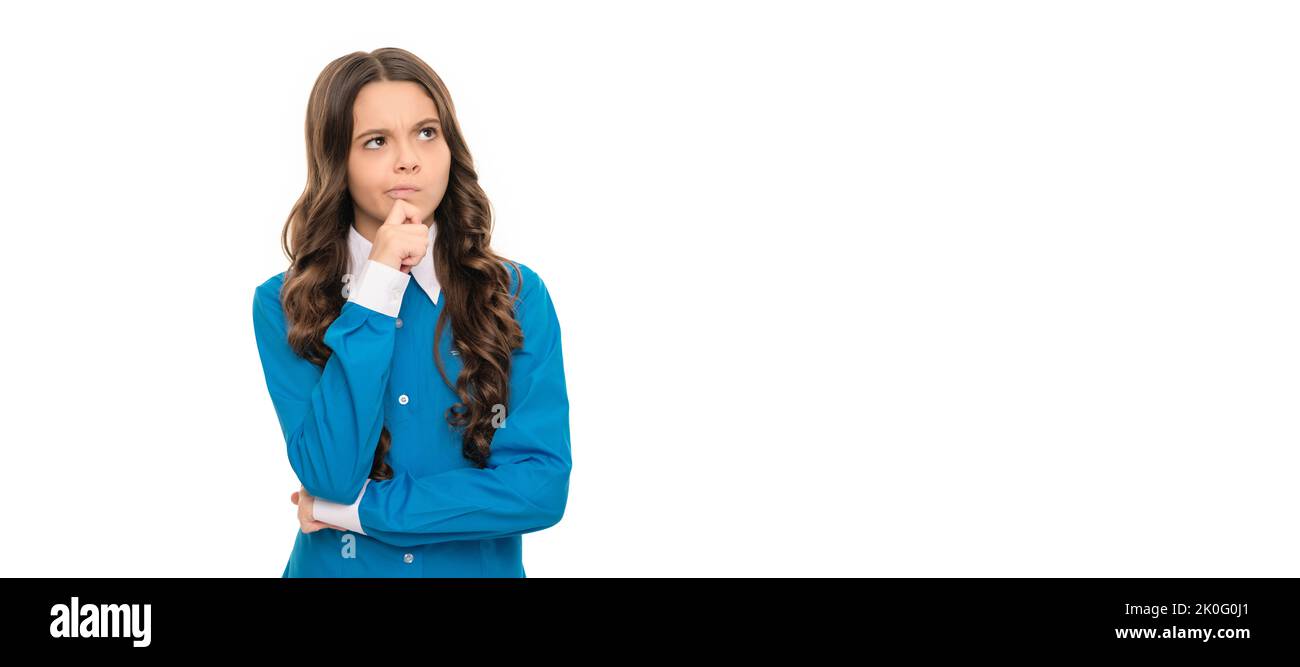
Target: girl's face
396	140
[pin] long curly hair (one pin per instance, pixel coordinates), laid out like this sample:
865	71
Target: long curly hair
474	279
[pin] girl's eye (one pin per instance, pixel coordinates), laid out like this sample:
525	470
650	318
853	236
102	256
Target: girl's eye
427	127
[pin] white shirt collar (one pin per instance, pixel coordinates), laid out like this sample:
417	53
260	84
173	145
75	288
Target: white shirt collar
359	251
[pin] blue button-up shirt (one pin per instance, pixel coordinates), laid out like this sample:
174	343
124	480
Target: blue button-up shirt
440	516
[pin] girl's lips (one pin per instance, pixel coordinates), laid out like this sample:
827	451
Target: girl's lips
401	193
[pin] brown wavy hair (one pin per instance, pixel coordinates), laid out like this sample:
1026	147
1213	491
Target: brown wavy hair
474	279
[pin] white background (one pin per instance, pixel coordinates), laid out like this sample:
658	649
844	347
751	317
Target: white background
846	289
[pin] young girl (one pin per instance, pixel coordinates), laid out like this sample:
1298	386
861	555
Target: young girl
417	375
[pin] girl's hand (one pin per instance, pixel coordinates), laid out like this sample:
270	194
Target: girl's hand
305	501
403	238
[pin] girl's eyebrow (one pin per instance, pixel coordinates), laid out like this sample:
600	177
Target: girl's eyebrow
384	131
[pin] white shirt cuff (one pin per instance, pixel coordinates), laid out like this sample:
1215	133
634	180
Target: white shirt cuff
380	288
338	514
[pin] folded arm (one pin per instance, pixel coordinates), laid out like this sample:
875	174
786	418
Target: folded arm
524	487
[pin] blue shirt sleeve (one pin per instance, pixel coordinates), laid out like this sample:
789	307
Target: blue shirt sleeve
525	486
331	417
